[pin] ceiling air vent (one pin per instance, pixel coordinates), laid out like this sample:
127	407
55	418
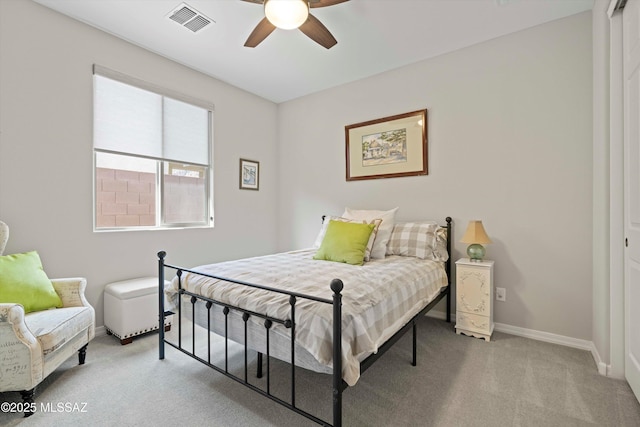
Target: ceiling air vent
189	18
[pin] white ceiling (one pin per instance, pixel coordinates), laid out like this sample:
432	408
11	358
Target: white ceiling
373	36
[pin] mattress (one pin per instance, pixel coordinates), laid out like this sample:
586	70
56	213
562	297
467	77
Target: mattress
378	299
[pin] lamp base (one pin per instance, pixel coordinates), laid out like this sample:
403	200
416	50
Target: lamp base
476	252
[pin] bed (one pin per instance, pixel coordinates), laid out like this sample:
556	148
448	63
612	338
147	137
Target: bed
329	317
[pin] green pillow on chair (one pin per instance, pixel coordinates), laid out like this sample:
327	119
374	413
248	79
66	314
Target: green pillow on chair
23	281
345	242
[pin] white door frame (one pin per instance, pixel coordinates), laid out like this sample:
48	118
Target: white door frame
616	195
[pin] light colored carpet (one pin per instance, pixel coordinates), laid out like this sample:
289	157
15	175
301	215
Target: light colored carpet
459	381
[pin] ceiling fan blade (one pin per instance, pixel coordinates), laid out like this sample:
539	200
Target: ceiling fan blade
259	33
254	1
322	3
317	32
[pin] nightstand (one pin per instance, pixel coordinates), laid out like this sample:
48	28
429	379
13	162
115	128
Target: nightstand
474	298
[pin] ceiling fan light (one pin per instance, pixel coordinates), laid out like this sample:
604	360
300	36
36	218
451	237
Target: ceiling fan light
286	14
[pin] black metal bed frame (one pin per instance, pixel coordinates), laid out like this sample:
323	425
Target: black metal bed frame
338	384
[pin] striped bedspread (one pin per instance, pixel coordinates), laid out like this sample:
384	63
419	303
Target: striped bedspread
379	298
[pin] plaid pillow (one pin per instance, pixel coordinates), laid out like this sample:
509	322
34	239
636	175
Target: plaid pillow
418	239
372	238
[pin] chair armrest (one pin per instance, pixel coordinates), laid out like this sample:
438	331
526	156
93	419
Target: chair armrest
22	364
71	291
13	315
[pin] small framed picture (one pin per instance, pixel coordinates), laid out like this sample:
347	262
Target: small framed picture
249	174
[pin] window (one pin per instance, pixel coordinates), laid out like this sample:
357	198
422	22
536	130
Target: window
152	156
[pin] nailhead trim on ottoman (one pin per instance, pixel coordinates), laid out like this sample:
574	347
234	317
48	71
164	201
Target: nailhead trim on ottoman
131	308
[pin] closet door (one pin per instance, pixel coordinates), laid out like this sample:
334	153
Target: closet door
631	58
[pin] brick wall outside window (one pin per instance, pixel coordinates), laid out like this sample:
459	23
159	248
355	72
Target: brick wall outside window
128	199
125	198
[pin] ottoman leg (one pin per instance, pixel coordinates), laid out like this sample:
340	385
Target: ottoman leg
126	341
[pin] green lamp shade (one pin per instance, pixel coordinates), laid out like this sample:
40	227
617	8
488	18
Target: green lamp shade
476	252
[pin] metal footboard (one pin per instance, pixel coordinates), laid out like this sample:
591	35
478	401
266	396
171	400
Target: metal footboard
338	385
268	321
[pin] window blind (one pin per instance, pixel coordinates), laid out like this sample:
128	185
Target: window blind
186	136
134	120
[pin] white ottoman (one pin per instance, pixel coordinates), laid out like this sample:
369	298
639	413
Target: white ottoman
131	308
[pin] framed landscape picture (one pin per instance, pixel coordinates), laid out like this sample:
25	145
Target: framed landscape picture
387	148
249	174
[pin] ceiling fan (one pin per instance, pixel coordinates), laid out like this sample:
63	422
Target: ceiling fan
290	14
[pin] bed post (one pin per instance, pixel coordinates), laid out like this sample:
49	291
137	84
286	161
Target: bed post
161	256
336	287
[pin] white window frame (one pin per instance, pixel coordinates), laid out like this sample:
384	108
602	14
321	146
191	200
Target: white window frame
160	220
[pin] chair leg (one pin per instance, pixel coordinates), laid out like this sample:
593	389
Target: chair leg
27	398
82	354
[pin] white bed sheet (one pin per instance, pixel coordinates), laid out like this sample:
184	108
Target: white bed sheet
379	298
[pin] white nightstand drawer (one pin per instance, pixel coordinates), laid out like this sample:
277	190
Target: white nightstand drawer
474	290
473	323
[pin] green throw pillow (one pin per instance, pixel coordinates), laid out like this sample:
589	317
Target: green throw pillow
345	242
23	281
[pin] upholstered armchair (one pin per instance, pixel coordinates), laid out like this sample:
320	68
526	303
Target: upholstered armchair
35	343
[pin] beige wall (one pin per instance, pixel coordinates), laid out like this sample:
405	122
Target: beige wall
46	174
510	142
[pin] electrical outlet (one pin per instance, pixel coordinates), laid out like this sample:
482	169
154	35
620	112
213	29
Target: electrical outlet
501	294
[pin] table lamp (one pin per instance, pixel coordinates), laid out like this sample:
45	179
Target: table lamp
476	237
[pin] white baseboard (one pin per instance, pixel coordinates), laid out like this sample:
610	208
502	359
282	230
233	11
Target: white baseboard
544	336
603	368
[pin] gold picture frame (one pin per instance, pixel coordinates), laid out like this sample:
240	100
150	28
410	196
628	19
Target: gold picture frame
390	147
249	174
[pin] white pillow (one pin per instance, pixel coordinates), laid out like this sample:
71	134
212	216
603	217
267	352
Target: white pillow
323	230
384	231
441	245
